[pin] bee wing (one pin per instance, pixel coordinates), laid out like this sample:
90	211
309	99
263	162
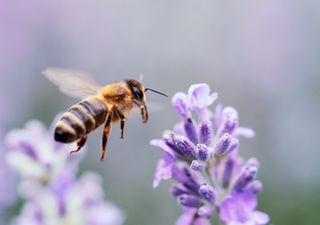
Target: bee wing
77	84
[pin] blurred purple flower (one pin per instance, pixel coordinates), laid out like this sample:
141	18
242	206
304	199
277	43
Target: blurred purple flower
35	155
240	208
69	201
7	186
202	157
52	193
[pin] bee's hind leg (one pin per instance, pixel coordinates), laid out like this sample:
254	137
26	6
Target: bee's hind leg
122	121
80	144
105	134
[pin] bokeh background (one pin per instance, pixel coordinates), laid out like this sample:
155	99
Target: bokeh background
262	57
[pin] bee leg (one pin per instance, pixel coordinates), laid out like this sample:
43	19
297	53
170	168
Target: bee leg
143	108
122	120
105	134
80	144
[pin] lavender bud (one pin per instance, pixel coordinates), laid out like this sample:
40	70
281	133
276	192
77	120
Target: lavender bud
177	191
203	152
230	113
189	201
190	130
197	166
179	102
206	210
169	140
186	147
255	186
206	132
179	175
190	183
229	126
225	145
248	174
252	162
207	193
229	165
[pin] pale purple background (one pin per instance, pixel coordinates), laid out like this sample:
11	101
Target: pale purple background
261	56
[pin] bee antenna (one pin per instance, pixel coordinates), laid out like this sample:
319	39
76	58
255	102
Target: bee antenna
158	92
140	77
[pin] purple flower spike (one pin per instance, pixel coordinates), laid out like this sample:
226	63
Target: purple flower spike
199	97
207	193
179	102
189	201
205	151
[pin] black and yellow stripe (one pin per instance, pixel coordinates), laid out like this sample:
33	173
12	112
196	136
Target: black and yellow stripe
80	119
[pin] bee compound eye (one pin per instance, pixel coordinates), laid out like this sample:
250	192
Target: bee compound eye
138	93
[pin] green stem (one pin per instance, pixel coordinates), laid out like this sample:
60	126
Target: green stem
209	177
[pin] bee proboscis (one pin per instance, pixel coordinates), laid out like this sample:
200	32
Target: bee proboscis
99	105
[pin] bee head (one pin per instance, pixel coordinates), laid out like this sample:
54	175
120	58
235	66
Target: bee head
137	89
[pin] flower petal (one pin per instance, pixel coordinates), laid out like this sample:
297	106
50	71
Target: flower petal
244	132
187	217
160	143
199	96
163	172
260	218
179	102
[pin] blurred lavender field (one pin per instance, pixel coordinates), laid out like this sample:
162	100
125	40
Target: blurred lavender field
260	56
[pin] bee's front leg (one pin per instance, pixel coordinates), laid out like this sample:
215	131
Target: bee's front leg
105	134
143	108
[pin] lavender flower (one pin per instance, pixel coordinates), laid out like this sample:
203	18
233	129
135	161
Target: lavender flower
203	158
49	186
34	154
69	201
7	186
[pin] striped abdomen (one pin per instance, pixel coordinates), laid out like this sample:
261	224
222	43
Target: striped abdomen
80	119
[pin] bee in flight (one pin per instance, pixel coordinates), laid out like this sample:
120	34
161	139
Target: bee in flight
99	104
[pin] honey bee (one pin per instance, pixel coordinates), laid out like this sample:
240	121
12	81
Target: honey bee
99	105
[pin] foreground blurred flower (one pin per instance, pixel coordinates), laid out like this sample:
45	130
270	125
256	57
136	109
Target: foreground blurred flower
69	201
49	186
203	158
7	185
36	156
